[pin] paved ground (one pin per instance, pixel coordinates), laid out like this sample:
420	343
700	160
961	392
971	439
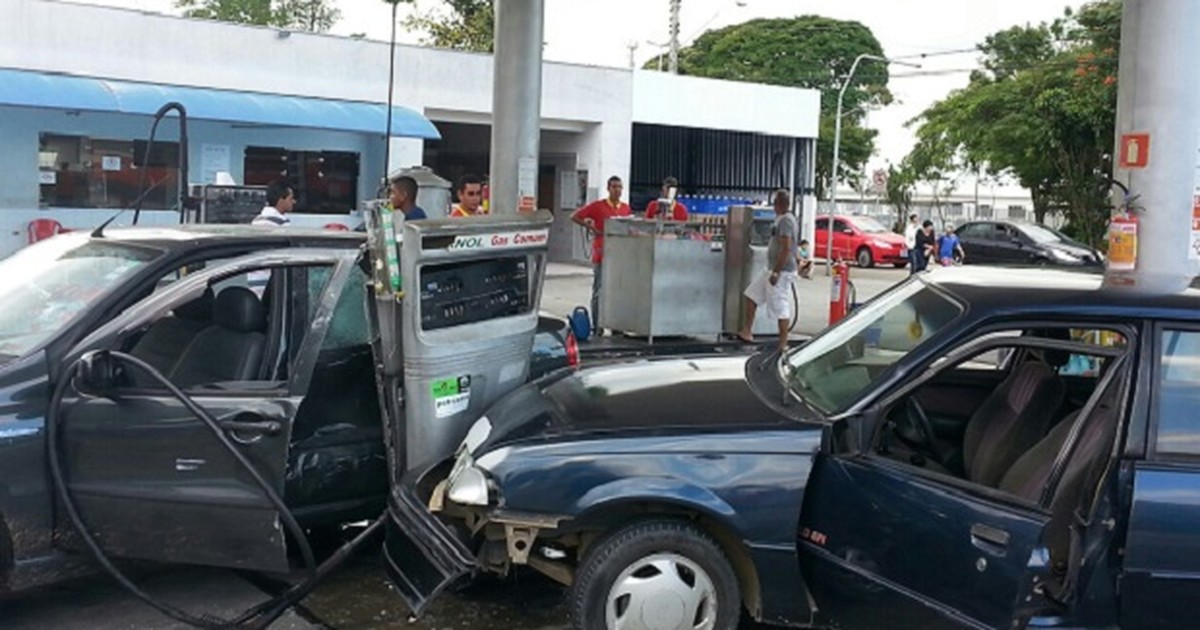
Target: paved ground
358	597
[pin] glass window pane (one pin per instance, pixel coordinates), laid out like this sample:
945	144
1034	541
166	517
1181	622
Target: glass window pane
1179	394
82	172
348	327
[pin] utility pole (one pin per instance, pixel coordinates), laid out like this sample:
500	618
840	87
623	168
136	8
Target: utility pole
674	28
517	105
1158	126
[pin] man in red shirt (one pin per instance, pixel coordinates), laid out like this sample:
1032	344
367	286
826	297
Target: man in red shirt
679	212
592	218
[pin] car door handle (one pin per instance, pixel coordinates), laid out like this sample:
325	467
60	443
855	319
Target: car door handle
988	538
256	427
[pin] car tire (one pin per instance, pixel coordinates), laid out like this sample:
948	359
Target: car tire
677	557
864	258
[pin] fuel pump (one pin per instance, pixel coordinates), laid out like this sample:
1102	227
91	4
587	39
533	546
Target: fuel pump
458	333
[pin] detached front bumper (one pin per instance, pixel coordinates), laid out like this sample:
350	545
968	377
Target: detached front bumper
423	554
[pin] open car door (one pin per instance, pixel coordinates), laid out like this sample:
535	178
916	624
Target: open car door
888	539
149	477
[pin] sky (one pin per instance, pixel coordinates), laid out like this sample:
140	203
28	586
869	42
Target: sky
601	32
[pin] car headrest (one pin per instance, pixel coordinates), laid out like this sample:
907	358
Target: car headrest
1055	358
238	308
199	309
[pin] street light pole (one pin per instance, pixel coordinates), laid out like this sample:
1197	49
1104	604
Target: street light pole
837	148
674	52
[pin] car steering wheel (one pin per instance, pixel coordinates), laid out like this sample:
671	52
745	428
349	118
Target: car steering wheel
920	421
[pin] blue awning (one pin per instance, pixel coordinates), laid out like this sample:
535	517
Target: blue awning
39	89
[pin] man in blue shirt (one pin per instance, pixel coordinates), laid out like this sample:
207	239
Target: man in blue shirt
950	249
404	198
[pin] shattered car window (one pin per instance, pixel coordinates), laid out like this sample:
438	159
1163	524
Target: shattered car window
47	285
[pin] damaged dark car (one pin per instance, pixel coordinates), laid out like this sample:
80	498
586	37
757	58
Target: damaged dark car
969	449
265	329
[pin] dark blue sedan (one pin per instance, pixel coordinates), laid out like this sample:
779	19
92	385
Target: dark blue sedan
973	448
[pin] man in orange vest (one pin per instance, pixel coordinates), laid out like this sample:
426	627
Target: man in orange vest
678	212
592	218
470	197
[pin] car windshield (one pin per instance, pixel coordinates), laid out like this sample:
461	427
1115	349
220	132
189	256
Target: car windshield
47	285
870	226
1041	235
836	368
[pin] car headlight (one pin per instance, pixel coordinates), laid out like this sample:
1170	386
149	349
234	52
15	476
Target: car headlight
1062	256
468	486
883	244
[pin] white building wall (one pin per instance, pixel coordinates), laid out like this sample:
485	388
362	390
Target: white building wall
682	101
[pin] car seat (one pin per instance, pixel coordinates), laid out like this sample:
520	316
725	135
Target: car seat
229	349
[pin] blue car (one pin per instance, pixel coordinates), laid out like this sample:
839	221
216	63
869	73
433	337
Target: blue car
973	448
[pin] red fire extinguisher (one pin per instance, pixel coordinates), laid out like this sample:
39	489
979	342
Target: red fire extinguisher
839	294
1123	242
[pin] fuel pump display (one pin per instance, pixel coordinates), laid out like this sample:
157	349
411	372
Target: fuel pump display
462	293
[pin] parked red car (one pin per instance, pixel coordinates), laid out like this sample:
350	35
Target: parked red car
861	239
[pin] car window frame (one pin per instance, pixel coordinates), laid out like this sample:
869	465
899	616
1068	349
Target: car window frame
976	226
983	340
157	304
1155	373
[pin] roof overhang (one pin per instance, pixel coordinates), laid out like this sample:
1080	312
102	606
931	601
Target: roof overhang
23	88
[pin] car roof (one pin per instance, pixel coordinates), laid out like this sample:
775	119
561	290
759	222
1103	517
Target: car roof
1057	293
198	236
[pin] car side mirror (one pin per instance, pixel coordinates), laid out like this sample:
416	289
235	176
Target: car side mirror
97	374
848	436
1018	242
848	231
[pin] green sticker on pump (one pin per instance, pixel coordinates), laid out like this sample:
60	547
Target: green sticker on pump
445	387
451	395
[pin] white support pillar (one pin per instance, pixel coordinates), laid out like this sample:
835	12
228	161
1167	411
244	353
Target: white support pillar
1159	95
516	104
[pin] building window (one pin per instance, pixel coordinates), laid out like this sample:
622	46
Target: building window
954	210
324	182
83	172
1016	212
984	212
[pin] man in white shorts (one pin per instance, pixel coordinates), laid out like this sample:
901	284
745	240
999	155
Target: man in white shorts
772	289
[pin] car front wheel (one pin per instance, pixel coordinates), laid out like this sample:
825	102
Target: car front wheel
665	575
864	257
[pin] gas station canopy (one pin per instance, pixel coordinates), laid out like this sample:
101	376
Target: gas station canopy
39	89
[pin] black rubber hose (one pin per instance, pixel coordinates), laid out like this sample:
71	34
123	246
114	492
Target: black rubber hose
264	614
275	607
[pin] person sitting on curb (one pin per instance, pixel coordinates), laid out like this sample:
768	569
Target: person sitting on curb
804	263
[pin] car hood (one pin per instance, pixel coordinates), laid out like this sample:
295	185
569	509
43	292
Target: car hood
887	237
1078	250
669	396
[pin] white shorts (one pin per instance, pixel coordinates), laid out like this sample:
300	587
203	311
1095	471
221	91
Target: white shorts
776	299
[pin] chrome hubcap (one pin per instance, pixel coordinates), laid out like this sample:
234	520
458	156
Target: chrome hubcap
664	591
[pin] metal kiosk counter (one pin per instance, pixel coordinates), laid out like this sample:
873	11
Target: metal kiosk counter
662	278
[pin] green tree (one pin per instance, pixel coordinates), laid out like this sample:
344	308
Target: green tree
465	25
309	15
899	194
807	52
317	16
241	11
1042	110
